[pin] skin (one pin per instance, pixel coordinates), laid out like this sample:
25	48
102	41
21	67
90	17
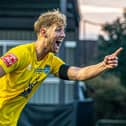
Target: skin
47	42
84	73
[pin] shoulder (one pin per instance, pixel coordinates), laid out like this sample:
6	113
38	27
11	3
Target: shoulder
22	49
24	46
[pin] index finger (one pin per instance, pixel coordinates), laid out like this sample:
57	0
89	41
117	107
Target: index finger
116	53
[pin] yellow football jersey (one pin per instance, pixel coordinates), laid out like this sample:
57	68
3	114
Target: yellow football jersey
24	74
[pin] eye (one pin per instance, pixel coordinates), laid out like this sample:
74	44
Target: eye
58	30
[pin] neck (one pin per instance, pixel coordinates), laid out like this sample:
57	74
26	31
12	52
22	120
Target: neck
41	49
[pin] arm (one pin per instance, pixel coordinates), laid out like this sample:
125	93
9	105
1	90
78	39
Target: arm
8	63
84	73
2	72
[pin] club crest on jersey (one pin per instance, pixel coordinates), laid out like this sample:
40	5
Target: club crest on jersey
47	69
9	59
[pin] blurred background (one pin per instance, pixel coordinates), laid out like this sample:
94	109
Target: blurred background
94	29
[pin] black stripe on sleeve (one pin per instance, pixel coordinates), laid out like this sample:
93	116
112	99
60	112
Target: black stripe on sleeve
63	72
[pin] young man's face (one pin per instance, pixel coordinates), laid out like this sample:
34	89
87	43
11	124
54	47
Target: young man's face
55	37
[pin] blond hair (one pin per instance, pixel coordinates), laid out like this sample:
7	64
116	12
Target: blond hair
49	18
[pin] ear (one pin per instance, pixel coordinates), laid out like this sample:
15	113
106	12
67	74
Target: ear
43	32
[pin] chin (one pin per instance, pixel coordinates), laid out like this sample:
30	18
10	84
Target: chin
53	50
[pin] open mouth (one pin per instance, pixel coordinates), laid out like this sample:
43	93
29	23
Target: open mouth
58	43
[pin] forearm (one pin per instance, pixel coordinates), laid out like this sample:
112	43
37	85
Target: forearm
85	73
91	71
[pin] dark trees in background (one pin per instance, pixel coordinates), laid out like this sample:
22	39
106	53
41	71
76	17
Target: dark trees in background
116	37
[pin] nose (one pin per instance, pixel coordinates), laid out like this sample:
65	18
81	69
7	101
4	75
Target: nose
63	34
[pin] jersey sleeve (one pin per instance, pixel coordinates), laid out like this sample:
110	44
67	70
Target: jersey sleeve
11	60
56	64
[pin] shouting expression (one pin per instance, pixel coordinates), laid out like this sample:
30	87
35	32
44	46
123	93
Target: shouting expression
55	36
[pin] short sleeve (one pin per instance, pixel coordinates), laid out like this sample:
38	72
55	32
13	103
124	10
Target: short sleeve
11	60
56	64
